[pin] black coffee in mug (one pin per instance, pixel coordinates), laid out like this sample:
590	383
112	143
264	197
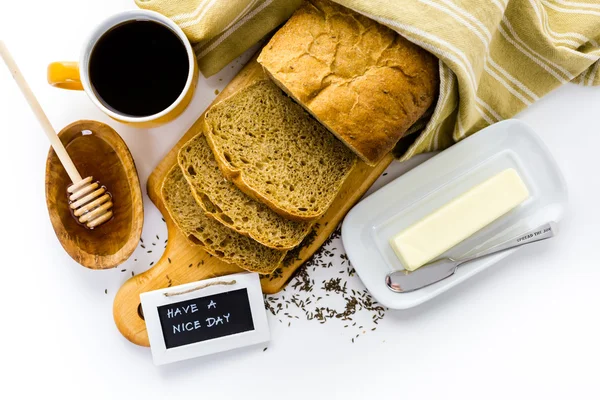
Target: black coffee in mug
139	68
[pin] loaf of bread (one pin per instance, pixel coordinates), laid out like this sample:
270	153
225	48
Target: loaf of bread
276	153
215	237
223	201
362	80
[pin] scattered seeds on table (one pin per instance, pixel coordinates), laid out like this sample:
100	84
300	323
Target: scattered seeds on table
334	299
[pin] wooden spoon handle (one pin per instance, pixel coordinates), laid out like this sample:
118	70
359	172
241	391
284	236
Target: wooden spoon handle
57	145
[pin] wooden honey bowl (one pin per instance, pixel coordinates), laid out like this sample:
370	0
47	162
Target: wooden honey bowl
98	151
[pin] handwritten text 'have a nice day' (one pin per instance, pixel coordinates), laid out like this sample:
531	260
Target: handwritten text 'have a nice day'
192	325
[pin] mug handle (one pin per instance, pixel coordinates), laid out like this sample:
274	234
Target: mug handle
64	75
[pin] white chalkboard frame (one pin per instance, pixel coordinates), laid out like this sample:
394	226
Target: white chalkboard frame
152	300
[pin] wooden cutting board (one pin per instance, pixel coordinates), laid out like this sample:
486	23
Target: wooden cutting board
183	262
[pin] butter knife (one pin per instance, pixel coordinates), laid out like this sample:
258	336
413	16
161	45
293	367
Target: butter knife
406	281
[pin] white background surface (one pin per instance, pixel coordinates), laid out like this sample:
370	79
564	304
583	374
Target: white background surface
526	328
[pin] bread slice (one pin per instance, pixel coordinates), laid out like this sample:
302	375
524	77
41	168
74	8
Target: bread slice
223	201
360	79
215	238
275	152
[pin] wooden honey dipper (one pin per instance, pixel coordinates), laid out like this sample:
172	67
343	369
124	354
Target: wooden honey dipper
91	202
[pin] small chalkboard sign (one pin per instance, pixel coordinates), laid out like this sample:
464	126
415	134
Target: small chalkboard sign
205	317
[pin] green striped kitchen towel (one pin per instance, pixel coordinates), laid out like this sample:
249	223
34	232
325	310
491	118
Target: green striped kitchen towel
496	56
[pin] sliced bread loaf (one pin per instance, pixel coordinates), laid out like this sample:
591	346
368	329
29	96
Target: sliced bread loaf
223	201
216	238
275	152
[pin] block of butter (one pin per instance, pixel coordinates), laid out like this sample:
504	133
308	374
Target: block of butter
454	222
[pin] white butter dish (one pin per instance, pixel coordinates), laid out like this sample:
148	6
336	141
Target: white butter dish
368	227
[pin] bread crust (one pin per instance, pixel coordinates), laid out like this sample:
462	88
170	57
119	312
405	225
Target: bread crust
235	175
192	236
360	79
262	239
259	239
